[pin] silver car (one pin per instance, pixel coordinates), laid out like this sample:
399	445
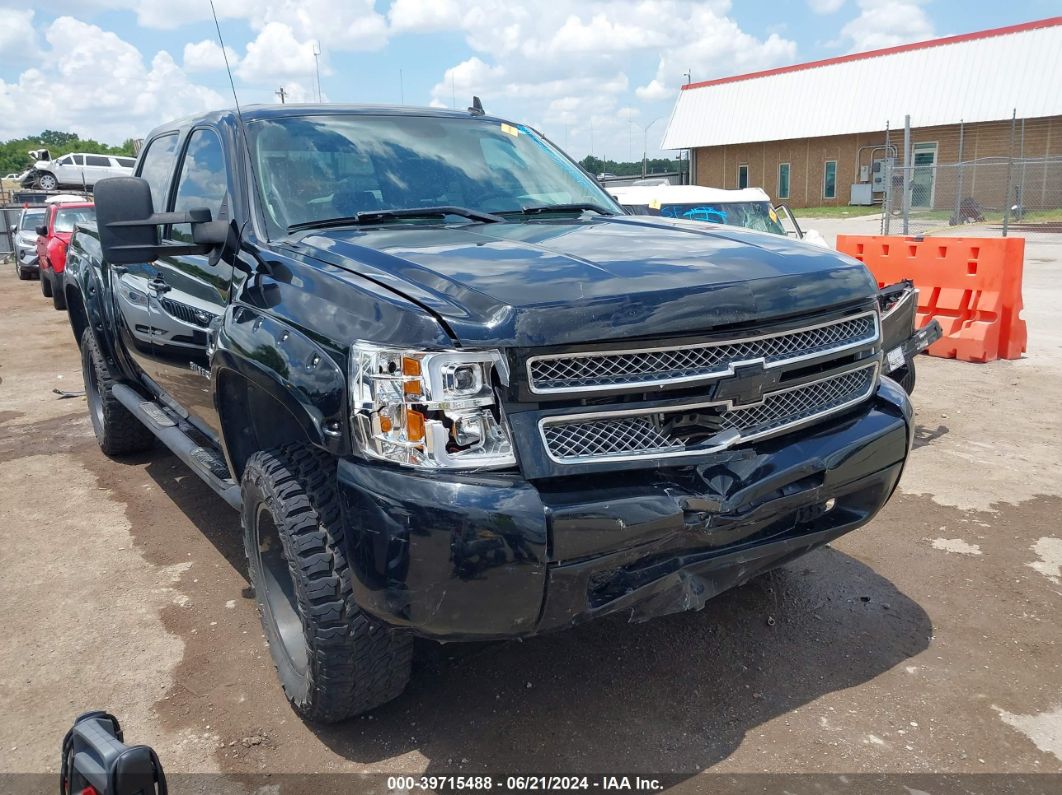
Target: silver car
26	241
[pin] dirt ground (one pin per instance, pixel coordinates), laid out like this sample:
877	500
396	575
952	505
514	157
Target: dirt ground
927	641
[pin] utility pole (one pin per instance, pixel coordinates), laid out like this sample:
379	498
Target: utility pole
645	143
280	92
317	68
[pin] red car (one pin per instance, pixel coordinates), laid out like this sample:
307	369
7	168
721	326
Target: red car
52	239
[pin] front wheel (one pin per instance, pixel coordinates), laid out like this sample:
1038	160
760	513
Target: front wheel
47	182
46	285
334	661
905	376
58	299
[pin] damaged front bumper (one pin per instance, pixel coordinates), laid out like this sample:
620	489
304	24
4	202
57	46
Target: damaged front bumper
901	341
493	556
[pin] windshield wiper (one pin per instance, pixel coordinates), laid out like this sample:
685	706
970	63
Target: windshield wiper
565	208
375	216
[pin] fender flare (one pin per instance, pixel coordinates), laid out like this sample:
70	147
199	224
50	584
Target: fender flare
285	365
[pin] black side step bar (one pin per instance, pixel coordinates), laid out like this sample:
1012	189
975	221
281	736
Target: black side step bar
200	460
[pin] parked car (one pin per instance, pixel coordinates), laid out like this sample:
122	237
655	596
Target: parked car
75	170
456	393
751	208
26	241
53	240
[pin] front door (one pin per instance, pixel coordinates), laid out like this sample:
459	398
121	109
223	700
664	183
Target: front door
923	175
133	287
192	291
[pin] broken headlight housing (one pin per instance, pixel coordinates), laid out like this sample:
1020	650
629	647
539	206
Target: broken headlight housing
429	409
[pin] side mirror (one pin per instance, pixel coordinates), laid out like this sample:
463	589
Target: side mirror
120	203
129	226
42	231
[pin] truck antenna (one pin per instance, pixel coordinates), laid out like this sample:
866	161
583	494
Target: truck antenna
236	99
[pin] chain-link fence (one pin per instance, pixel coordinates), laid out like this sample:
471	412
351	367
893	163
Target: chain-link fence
1022	194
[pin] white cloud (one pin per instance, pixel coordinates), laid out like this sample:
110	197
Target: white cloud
206	55
96	84
887	23
424	15
18	39
825	6
276	53
710	45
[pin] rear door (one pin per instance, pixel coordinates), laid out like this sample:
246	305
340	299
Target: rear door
97	167
132	286
193	292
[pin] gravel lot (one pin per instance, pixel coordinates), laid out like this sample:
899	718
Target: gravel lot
927	641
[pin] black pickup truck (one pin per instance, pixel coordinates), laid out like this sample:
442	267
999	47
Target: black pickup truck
455	392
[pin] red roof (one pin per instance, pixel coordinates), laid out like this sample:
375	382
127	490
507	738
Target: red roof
920	45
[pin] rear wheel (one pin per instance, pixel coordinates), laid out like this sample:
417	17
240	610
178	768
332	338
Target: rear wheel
334	661
117	431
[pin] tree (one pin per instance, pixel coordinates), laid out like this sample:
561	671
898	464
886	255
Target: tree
14	154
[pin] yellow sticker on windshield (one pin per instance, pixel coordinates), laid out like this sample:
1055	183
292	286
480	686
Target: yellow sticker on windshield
508	128
773	214
654	204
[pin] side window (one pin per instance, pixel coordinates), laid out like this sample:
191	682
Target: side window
97	160
156	166
829	180
65	161
79	160
203	181
743	176
783	180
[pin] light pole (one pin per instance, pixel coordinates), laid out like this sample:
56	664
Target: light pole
645	143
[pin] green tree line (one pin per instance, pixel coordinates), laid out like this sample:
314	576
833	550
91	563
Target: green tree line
596	165
14	154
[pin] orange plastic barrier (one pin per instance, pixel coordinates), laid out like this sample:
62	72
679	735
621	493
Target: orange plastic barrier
972	286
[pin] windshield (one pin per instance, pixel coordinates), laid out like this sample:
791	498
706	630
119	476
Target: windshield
314	168
31	219
751	215
66	219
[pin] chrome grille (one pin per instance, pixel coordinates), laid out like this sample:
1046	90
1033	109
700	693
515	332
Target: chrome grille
582	372
626	435
642	433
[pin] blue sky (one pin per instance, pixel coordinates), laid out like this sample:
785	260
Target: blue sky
592	75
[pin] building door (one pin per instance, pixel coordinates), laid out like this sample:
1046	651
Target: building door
923	175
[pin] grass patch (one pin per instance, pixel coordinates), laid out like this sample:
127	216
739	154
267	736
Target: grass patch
840	211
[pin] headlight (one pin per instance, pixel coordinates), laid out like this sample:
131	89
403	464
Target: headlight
429	409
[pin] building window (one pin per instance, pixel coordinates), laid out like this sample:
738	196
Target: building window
783	180
743	176
829	180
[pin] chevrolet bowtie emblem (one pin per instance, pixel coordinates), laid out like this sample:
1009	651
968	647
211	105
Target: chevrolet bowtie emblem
747	385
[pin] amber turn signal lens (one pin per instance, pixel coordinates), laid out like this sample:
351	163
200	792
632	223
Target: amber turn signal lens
410	366
385	423
414	426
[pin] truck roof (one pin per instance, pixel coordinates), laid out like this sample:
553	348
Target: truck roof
250	113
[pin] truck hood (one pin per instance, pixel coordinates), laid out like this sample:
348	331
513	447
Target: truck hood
561	282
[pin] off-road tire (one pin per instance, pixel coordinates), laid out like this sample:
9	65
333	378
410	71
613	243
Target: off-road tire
46	285
117	431
350	662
